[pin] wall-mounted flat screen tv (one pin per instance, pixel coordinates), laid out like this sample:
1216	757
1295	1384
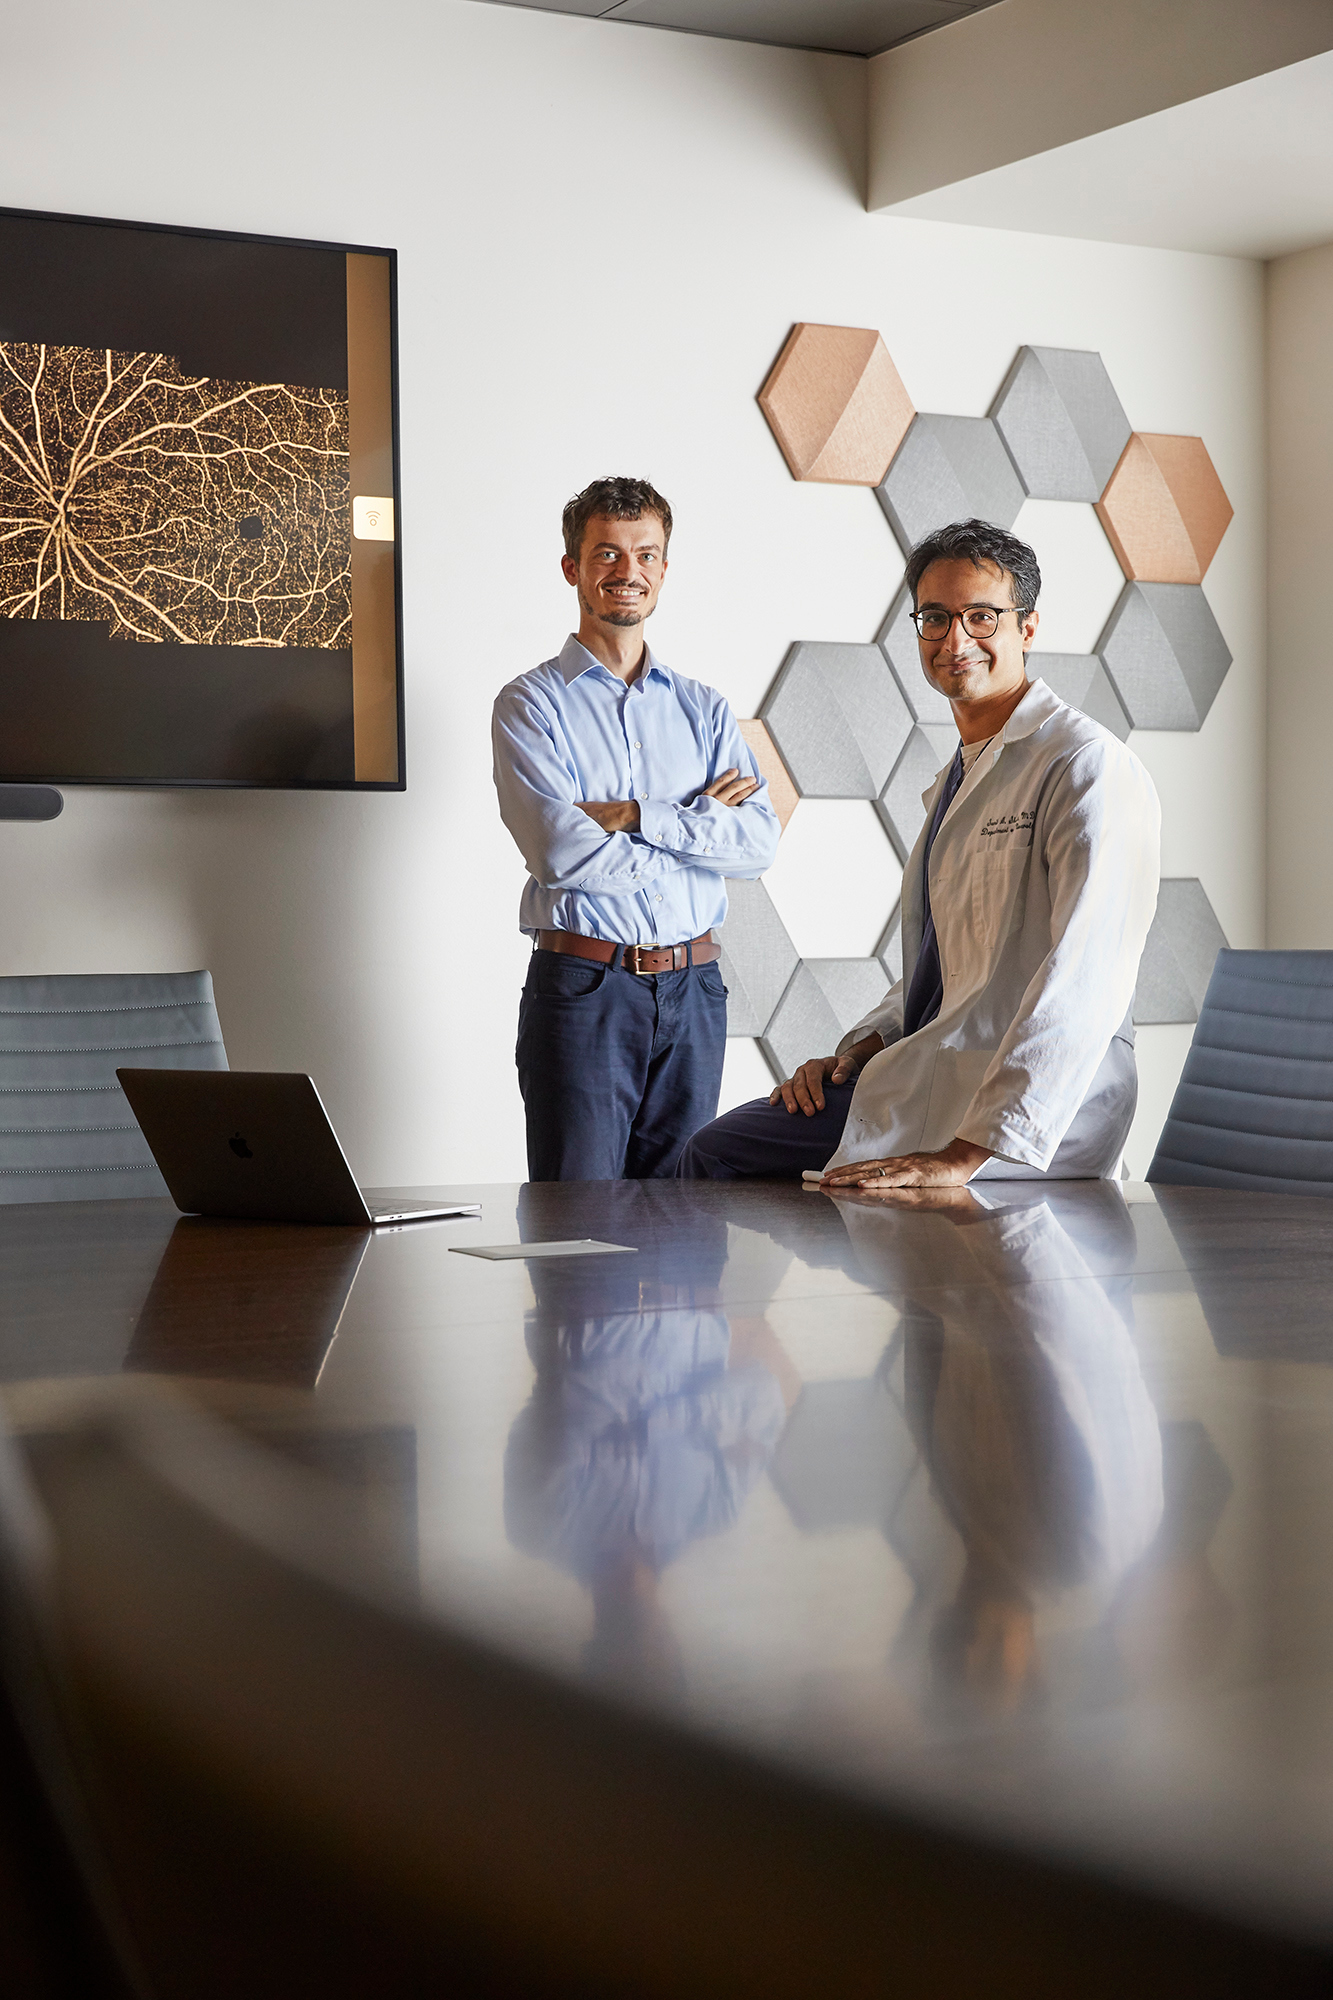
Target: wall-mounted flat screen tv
199	571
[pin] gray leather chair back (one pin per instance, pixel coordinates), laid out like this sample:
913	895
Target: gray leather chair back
1254	1106
66	1131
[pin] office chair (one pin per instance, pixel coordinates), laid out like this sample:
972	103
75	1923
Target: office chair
300	1787
66	1131
1254	1105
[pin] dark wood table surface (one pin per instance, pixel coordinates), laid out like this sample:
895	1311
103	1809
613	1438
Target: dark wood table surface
1017	1504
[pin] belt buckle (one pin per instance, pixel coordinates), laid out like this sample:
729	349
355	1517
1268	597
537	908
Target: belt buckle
635	952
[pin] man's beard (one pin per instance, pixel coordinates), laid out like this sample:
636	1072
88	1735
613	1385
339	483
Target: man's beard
621	618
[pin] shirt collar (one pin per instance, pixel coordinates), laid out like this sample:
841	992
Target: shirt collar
575	659
1038	705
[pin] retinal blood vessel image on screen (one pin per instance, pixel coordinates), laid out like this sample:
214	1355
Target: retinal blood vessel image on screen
170	506
180	422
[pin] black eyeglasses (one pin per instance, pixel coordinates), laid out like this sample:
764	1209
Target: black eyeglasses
979	620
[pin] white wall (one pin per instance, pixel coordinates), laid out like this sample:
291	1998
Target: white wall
605	234
1300	317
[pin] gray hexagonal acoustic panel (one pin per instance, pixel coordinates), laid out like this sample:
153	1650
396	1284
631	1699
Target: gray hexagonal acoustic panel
825	999
758	958
889	950
1178	958
897	641
838	718
1062	422
899	805
1082	681
1164	654
949	469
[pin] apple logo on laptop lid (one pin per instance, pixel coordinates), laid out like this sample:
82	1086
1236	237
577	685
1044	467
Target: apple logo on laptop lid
239	1147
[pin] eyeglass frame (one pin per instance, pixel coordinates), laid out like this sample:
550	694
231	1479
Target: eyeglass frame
1020	610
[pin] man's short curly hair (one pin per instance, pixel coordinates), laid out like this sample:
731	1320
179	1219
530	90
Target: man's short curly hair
979	542
619	500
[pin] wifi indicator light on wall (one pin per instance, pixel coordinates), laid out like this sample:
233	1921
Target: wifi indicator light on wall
372	519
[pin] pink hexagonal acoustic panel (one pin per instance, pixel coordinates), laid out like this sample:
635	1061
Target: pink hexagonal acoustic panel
836	405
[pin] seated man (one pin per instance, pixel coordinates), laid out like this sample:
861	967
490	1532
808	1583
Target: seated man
1007	1048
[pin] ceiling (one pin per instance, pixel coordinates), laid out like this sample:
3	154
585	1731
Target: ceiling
846	27
1244	172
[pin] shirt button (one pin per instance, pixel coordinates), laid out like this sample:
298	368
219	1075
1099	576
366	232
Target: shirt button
657	899
638	746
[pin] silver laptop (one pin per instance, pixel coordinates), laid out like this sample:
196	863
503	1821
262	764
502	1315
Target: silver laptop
257	1145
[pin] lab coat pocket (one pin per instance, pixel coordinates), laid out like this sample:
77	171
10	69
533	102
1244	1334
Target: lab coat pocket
999	892
957	1078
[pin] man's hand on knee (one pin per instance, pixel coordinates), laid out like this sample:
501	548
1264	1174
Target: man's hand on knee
805	1090
953	1166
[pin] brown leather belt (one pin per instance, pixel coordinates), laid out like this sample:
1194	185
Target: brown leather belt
641	958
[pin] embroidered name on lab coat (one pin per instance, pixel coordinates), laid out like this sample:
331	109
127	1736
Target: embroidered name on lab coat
1013	828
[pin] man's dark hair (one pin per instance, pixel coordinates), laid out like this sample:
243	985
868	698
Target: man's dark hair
979	542
619	500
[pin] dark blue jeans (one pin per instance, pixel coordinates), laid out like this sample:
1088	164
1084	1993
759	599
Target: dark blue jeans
616	1068
763	1141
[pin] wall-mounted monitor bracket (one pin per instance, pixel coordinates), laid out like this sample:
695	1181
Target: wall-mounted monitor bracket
31	802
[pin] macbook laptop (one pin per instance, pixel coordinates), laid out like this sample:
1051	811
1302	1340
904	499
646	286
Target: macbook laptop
257	1145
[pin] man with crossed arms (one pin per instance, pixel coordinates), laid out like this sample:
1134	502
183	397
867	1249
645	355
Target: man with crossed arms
632	795
1007	1048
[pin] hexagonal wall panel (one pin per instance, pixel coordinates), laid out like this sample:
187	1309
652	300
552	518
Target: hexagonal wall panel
889	950
835	878
1165	655
948	469
758	958
1062	422
782	793
838	718
844	730
827	996
897	641
1164	510
929	747
836	404
1082	681
1178	958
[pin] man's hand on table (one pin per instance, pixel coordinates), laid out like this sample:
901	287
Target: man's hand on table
952	1166
959	1204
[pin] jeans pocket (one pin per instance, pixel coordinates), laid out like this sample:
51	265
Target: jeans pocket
558	977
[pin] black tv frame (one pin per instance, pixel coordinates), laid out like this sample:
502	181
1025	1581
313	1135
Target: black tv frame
399	784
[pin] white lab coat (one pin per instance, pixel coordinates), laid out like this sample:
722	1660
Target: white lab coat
1043	883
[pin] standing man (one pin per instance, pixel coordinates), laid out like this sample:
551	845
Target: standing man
1007	1049
631	794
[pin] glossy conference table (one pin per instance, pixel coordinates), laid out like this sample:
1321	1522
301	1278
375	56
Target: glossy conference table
1015	1504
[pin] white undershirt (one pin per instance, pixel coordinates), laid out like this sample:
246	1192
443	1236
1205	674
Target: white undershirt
971	751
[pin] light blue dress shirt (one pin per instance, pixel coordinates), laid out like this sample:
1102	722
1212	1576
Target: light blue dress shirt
570	730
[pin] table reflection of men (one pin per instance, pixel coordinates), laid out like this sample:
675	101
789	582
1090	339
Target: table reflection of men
649	1425
1021	1388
